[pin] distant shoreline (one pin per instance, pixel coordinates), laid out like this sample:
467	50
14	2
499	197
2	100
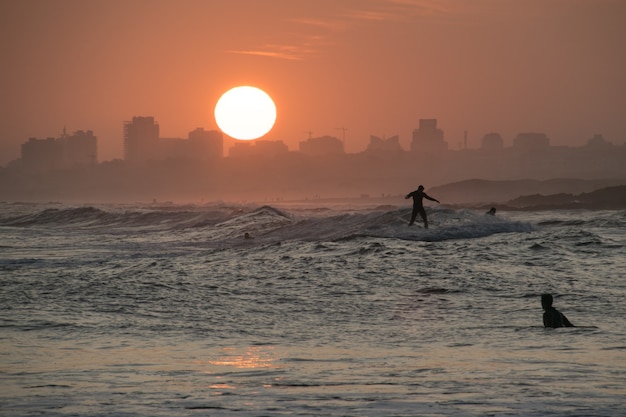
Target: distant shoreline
513	195
607	194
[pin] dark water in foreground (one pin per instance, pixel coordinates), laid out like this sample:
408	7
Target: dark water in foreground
143	311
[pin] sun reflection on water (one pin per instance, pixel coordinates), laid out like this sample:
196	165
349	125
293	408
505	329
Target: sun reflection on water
254	357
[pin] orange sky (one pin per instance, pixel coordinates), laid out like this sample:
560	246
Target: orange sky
371	66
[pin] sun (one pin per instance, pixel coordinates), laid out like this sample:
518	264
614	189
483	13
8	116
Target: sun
245	112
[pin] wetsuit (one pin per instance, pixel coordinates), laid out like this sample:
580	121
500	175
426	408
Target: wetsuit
418	207
554	318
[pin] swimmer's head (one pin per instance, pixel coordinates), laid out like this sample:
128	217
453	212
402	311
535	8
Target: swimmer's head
546	301
420	188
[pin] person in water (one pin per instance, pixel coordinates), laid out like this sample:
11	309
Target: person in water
418	207
551	316
492	211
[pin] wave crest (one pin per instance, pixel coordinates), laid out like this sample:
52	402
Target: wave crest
220	223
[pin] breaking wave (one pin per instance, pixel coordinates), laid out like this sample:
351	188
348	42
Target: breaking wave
227	224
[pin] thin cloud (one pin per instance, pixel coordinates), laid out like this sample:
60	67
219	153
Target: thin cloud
279	51
269	54
428	7
371	15
323	23
390	10
311	35
446	7
300	43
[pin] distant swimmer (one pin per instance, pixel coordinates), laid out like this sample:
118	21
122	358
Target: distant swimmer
418	207
247	236
551	316
492	211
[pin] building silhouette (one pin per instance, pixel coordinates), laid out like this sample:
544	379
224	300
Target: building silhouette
492	142
41	154
141	140
597	142
189	167
322	146
241	149
378	145
78	150
270	148
205	144
200	145
142	143
263	148
428	138
526	142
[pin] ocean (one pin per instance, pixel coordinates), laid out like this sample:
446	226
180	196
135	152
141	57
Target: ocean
326	310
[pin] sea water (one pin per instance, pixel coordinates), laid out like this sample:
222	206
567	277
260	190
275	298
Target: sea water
147	310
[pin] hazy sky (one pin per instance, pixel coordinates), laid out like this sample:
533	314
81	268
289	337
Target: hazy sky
370	66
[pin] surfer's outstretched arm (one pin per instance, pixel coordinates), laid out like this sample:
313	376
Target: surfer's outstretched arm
430	198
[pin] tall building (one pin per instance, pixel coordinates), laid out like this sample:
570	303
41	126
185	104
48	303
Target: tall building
428	138
141	140
41	154
206	144
78	150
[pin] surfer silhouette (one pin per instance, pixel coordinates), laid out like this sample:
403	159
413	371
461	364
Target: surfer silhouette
492	211
551	316
418	207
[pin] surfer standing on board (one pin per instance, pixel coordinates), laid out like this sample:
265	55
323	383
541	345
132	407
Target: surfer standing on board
551	316
418	207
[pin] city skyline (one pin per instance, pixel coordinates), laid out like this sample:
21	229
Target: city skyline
425	138
196	168
353	68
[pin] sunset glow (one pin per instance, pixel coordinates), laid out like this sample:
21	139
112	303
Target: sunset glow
245	113
281	207
371	67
